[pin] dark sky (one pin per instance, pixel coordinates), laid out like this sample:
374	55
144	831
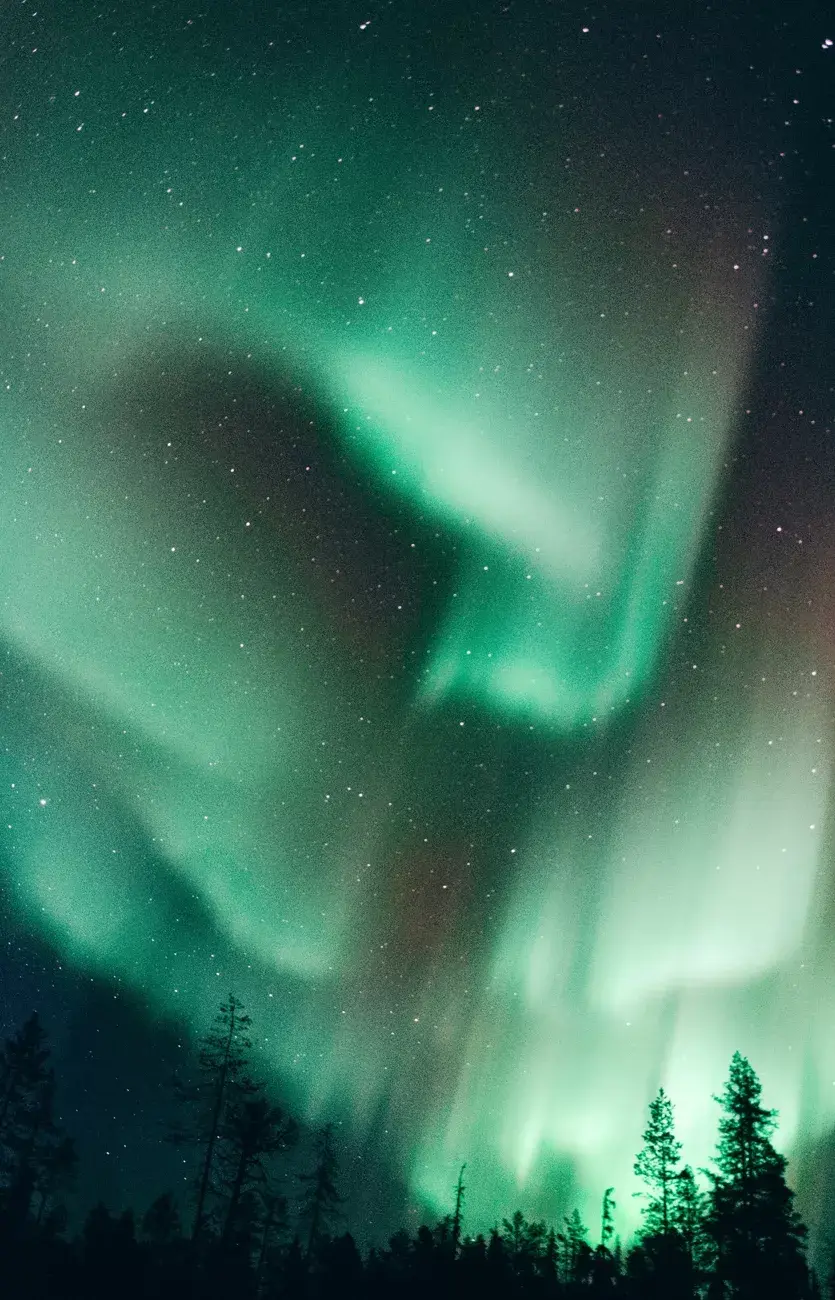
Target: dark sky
418	535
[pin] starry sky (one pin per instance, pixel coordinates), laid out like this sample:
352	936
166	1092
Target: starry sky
418	544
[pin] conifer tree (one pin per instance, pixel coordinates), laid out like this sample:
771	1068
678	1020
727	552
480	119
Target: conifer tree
24	1067
607	1219
341	1269
758	1239
273	1223
222	1066
688	1217
604	1271
513	1233
525	1243
293	1282
550	1257
30	1134
35	1156
457	1212
497	1270
253	1132
109	1251
321	1203
663	1258
657	1164
576	1251
56	1173
161	1221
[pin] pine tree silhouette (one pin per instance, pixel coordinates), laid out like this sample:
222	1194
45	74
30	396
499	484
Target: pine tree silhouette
758	1239
664	1257
36	1159
457	1212
576	1251
322	1201
741	1240
253	1132
689	1212
24	1066
657	1164
223	1062
161	1221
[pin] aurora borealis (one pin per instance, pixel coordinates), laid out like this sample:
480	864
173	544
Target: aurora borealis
417	535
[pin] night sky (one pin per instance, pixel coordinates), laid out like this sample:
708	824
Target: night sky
418	596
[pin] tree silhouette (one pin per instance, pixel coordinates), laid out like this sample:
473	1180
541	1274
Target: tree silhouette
607	1218
576	1251
24	1066
273	1226
757	1237
322	1201
35	1155
253	1132
524	1244
109	1250
741	1240
662	1258
497	1269
688	1217
340	1268
605	1266
294	1280
56	1175
657	1165
222	1064
161	1221
459	1205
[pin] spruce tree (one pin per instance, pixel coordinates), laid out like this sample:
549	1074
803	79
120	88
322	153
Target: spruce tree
607	1218
321	1202
457	1212
35	1156
24	1067
161	1221
254	1131
688	1218
758	1239
525	1244
56	1173
604	1270
514	1234
576	1252
222	1065
273	1226
663	1255
657	1165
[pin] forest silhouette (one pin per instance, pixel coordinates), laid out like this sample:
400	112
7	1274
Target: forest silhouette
730	1232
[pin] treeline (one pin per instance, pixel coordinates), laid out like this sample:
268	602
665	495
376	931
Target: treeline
732	1233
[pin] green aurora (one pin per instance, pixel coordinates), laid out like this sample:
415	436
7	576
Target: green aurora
462	815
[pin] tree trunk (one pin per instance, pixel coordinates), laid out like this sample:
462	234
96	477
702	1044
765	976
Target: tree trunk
235	1195
210	1147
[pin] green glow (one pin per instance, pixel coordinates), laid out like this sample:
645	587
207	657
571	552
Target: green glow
704	906
567	620
233	794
